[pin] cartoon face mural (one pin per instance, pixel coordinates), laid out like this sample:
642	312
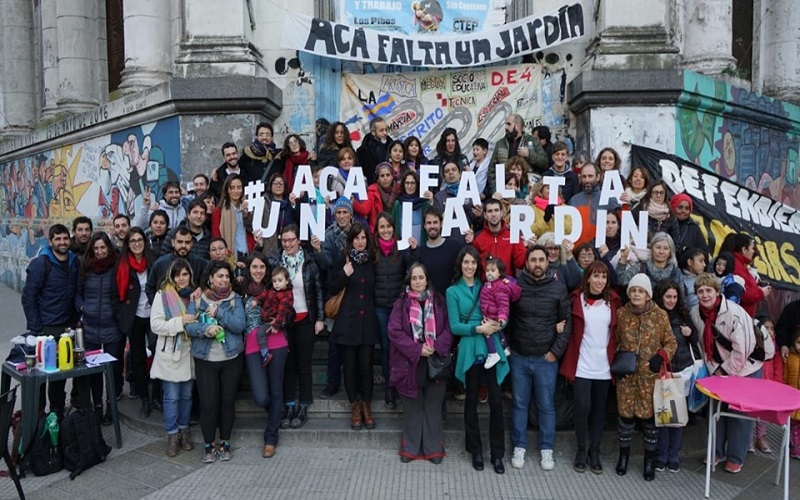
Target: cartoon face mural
745	148
98	178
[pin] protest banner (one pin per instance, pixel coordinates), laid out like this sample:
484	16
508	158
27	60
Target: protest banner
419	16
722	207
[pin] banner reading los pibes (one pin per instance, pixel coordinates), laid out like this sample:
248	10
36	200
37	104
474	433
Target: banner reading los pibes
722	207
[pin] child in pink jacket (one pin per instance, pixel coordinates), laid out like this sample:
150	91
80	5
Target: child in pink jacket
496	296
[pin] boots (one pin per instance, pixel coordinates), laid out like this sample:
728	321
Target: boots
355	416
649	465
579	465
144	409
594	460
369	420
186	440
173	444
622	463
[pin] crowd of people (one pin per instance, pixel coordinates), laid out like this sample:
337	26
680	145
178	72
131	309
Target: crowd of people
212	297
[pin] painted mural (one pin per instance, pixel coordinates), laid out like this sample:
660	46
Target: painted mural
744	136
98	178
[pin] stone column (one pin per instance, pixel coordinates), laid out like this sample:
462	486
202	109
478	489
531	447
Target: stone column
781	50
216	41
76	23
148	44
632	37
708	40
49	57
18	63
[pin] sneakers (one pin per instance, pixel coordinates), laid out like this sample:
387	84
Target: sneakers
763	446
224	452
547	461
458	392
660	466
717	460
673	467
328	392
287	416
209	454
518	460
483	394
299	418
507	351
733	468
492	359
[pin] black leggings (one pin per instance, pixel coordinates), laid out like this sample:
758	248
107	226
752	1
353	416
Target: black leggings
217	383
138	341
589	399
301	339
357	366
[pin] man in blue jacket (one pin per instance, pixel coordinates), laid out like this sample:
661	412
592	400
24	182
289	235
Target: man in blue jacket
48	298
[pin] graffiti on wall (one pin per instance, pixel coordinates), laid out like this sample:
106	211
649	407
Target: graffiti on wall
757	146
99	178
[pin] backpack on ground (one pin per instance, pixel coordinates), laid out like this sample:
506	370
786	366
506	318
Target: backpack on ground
82	441
44	453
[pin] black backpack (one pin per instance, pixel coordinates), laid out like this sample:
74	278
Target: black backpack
43	457
82	441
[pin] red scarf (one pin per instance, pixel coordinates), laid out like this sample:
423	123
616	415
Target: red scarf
709	317
292	161
124	273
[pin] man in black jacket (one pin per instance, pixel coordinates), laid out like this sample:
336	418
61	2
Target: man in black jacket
230	153
182	241
374	149
539	330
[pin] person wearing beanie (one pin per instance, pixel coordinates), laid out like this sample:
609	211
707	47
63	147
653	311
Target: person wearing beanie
686	233
642	328
344	203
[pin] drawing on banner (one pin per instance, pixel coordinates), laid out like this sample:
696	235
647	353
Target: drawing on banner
420	16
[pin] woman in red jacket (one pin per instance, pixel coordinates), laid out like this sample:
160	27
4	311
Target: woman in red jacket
587	360
381	195
744	251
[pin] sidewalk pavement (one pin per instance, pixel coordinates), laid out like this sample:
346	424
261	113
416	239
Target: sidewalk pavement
141	470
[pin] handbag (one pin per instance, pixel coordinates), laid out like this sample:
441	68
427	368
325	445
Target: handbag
334	302
696	400
439	367
625	362
669	401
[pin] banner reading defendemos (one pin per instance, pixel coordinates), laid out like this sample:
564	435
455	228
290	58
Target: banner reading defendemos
722	207
526	36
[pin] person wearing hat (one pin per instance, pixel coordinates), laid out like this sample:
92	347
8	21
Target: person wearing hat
642	328
686	233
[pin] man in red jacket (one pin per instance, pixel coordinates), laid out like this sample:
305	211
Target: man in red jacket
495	239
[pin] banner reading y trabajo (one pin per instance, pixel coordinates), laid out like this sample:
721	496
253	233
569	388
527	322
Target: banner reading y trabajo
722	207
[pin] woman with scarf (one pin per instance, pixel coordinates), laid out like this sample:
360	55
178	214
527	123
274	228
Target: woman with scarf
636	187
669	297
336	139
156	233
231	220
448	150
381	195
256	160
418	329
172	361
660	218
133	268
97	301
266	382
391	266
642	328
217	345
661	264
308	323
685	232
744	250
561	261
415	158
289	211
728	340
361	208
355	331
409	193
293	155
587	361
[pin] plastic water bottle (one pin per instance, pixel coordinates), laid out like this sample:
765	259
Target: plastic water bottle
50	348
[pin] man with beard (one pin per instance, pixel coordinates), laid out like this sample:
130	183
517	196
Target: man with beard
587	201
495	239
256	160
200	184
170	203
81	233
122	224
374	148
231	166
195	222
538	334
181	247
515	143
48	299
438	253
451	183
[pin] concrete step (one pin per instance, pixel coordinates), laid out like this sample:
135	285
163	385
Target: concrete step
328	427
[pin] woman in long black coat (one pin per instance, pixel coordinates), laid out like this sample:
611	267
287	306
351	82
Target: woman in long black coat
355	331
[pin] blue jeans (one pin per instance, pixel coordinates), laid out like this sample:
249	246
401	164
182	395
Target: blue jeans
177	405
266	387
533	372
382	314
735	433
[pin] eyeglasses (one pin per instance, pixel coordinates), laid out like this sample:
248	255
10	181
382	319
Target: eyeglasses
551	249
278	183
659	192
288	240
293	142
135	241
410	183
